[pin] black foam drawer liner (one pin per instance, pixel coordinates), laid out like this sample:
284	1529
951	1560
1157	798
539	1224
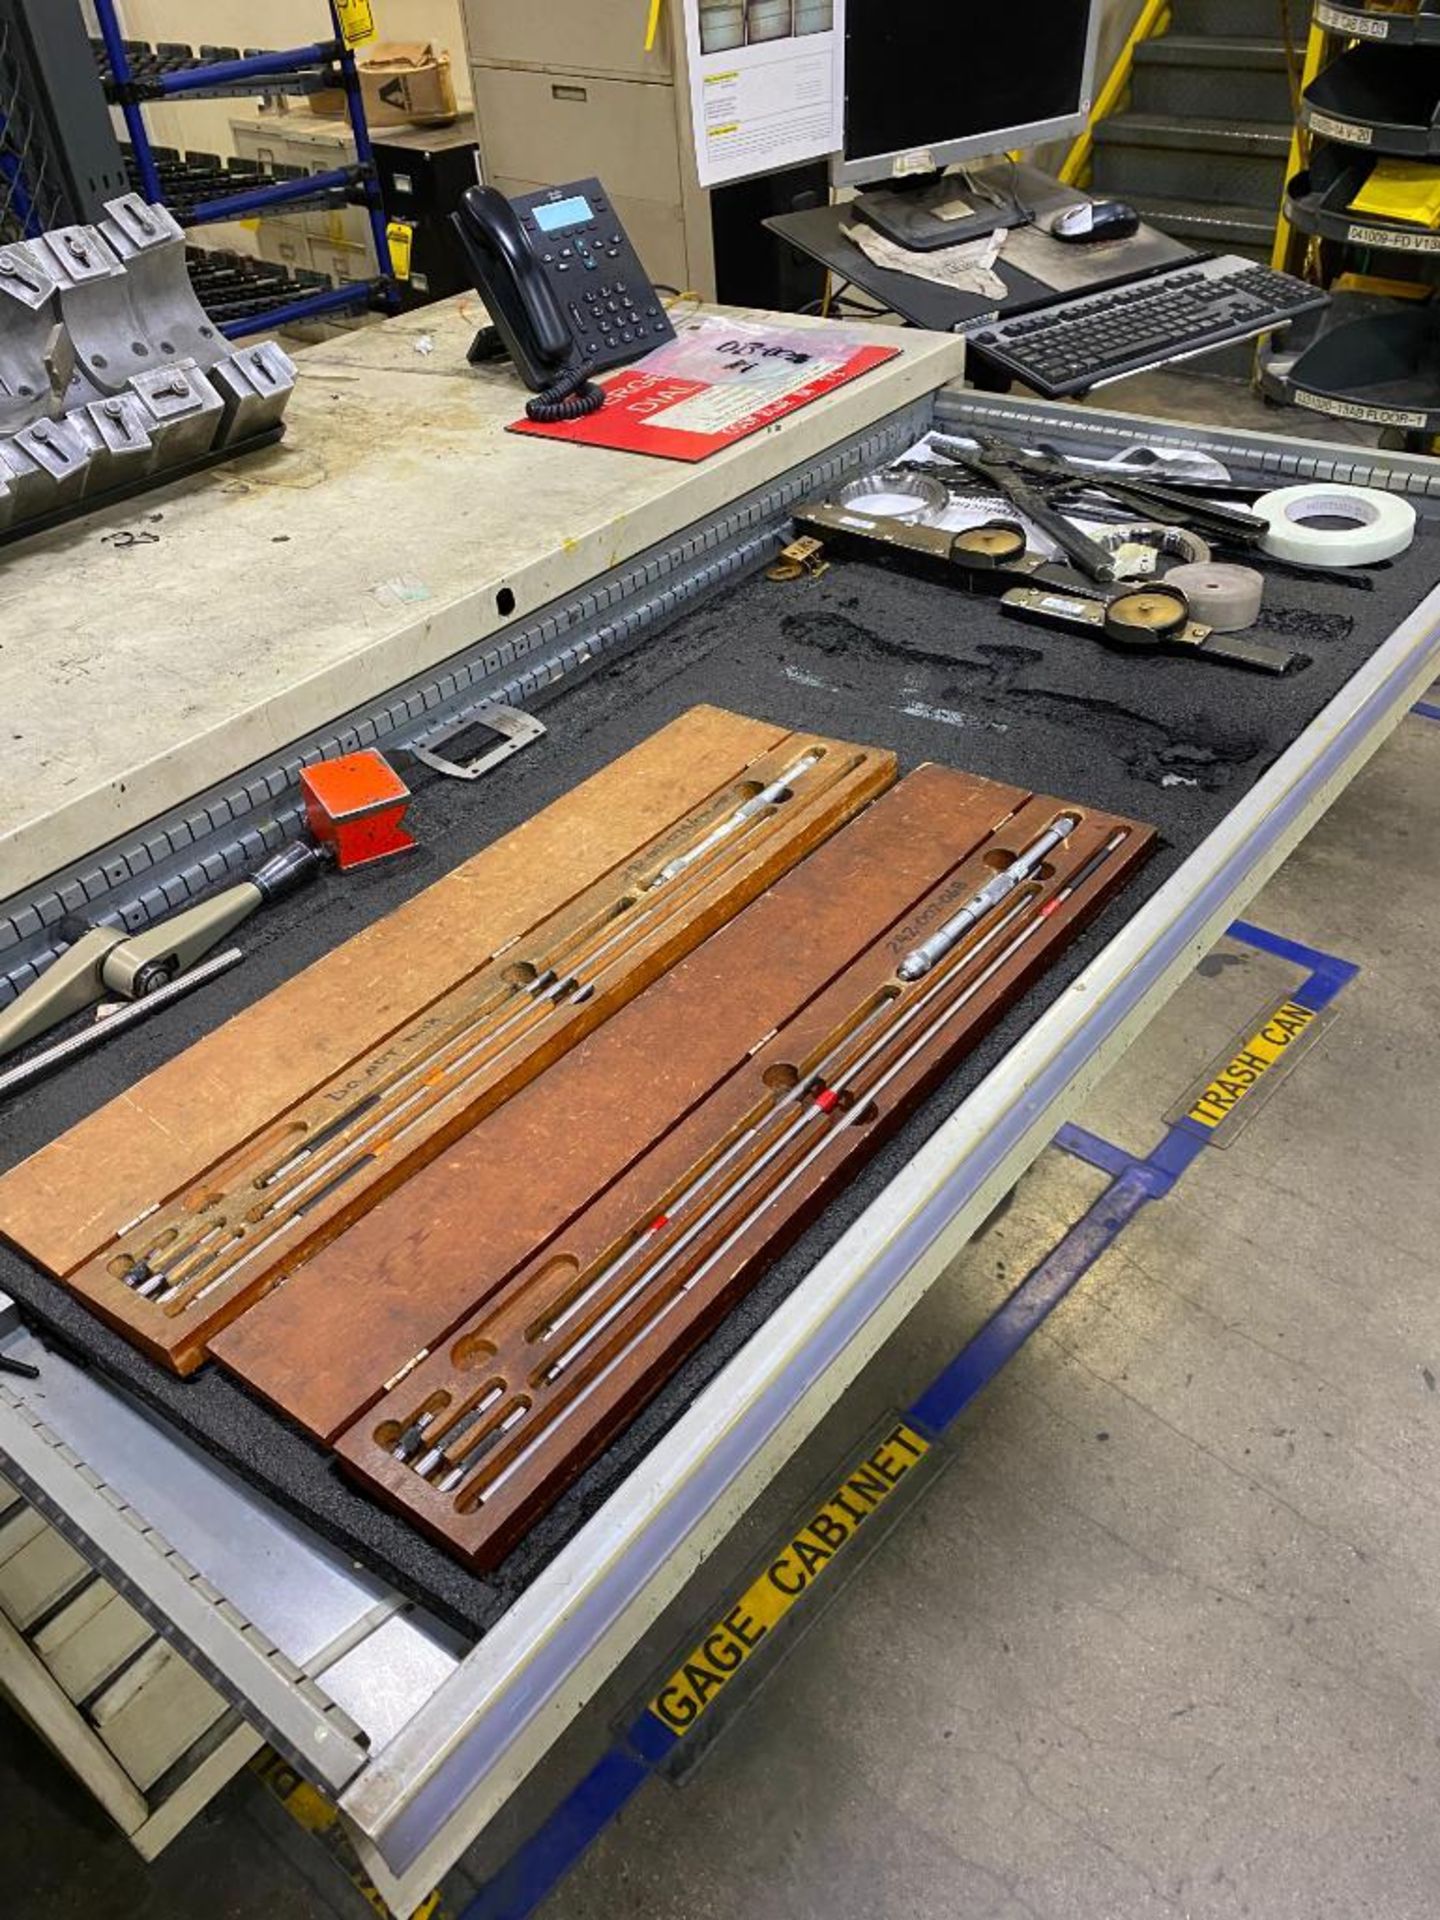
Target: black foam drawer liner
863	653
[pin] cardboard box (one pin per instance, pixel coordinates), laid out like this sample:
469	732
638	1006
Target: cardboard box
407	83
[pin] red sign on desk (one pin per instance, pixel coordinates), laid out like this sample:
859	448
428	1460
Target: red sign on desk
718	382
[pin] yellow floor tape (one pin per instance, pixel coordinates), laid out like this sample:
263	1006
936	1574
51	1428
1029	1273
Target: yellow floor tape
316	1815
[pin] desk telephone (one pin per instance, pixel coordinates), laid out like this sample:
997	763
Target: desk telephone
564	287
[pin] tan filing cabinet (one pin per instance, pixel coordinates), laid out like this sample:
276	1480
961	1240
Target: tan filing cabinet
565	89
334	242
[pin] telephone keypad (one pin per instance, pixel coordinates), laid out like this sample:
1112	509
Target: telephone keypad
613	312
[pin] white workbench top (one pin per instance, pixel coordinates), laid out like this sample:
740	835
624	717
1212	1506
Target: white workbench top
290	586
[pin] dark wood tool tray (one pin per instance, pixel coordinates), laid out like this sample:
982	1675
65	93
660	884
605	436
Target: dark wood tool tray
863	654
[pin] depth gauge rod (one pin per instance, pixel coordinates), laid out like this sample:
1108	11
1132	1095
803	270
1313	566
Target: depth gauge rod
860	1101
770	796
544	993
343	1146
918	963
12	1079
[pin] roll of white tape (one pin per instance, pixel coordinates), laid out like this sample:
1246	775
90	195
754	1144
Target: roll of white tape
1221	596
1336	526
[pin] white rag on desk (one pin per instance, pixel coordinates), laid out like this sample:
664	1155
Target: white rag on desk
967	268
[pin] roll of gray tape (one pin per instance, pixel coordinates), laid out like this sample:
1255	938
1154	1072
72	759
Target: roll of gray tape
1335	526
1221	596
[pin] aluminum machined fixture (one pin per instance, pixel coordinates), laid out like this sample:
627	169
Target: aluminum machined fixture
105	333
29	317
186	409
111	335
254	384
116	435
150	243
48	462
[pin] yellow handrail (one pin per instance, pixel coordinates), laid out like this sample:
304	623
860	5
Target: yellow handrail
1299	148
1154	17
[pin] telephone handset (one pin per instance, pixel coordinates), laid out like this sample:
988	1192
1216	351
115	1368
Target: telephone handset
564	287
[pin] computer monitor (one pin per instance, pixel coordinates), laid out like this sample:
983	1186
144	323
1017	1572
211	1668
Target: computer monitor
932	82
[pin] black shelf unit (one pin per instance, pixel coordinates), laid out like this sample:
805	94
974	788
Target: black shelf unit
1382	98
1372	93
237	286
137	74
1365	358
1317	202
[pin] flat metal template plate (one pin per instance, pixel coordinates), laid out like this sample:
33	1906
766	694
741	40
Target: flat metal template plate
518	729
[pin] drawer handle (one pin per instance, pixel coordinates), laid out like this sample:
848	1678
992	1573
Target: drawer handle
569	93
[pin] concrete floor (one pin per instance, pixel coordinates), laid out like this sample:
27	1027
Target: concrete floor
1160	1638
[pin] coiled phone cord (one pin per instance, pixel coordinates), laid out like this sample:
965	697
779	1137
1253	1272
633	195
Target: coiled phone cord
571	397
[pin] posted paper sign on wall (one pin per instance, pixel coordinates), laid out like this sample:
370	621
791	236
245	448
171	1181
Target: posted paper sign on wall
766	83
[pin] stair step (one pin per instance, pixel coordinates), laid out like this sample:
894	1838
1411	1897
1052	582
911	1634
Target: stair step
1211	50
1229	79
1155	156
1238	17
1212	228
1194	134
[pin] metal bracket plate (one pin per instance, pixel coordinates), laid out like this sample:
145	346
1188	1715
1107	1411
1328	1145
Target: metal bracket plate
517	728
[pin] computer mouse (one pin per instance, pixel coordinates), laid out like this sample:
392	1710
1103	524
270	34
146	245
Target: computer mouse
1095	220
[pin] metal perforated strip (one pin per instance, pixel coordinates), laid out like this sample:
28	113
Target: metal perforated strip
1353	466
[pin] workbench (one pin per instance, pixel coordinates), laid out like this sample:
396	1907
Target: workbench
637	590
153	650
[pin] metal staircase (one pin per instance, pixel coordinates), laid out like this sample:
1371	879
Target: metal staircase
1201	145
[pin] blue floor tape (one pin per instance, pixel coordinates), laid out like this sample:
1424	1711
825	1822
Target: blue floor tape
537	1867
1327	972
1081	1144
1037	1296
1426	709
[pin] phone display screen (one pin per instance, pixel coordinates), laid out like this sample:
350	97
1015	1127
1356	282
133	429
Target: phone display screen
551	216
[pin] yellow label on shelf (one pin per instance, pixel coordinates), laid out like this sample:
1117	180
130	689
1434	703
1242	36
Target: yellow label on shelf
1254	1060
401	235
809	1554
357	21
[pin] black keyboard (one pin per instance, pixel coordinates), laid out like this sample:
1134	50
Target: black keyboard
1095	337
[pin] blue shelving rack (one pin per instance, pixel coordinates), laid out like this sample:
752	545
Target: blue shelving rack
301	67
